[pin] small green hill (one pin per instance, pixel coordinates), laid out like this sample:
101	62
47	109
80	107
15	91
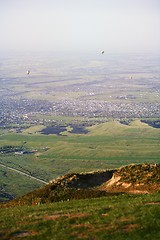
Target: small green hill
142	178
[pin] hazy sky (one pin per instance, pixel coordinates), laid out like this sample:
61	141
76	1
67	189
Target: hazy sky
80	25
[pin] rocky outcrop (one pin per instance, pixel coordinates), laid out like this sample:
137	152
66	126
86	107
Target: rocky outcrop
137	179
143	178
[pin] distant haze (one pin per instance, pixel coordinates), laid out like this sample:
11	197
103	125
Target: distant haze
80	25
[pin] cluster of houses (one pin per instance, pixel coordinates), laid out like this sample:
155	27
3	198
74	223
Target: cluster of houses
23	111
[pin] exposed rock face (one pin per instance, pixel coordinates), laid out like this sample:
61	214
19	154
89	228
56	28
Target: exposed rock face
137	179
143	178
84	180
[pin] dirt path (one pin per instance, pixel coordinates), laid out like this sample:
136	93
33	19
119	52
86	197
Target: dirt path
25	174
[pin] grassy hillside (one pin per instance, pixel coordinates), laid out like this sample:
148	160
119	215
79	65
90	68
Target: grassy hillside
105	146
81	210
119	217
143	178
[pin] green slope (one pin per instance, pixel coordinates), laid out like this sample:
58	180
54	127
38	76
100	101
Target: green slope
118	217
107	145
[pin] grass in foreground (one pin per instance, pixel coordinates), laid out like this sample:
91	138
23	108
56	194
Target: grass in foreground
117	217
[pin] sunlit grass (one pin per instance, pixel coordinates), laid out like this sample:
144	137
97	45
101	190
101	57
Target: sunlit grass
119	217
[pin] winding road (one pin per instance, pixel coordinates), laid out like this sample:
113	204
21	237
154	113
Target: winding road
25	174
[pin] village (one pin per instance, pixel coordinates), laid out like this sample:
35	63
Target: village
23	111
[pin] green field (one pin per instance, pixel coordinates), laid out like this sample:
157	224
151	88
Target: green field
118	217
105	146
